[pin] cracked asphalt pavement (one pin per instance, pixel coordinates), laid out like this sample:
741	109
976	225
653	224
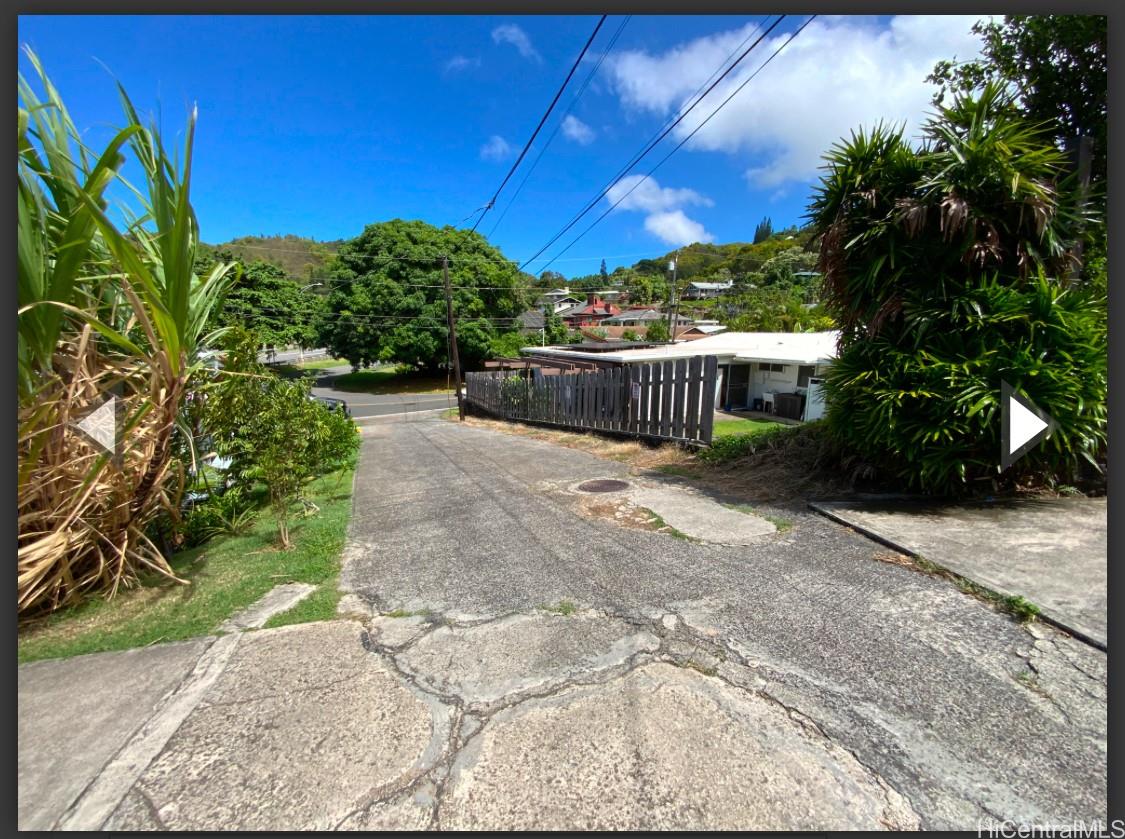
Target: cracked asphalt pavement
506	660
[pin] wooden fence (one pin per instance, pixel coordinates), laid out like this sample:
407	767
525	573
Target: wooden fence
669	400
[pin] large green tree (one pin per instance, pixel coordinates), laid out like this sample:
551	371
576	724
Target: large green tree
387	299
281	310
946	269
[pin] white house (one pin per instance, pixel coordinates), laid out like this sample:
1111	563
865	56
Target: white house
557	300
779	372
701	291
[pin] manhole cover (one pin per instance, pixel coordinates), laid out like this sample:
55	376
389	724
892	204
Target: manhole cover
606	485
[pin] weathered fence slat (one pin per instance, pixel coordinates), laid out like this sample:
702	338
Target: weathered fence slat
695	373
646	395
707	407
667	382
679	391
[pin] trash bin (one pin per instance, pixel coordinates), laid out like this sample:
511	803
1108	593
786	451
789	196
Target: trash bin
757	404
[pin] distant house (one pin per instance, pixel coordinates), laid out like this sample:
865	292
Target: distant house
531	322
612	333
778	372
703	291
558	299
698	330
613	295
643	317
591	313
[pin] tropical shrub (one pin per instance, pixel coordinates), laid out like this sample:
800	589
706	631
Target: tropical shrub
657	331
945	267
101	307
229	512
273	430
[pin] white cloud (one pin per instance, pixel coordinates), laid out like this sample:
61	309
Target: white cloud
496	148
662	205
509	33
677	229
838	74
460	62
650	196
578	131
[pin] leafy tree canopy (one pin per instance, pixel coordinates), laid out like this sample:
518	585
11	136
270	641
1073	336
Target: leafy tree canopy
387	299
281	311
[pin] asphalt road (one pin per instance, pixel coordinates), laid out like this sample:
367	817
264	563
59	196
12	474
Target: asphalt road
363	405
952	704
508	654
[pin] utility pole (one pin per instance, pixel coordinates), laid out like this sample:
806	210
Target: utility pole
674	314
452	338
672	295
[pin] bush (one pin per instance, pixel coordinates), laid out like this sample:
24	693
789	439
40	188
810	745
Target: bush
947	268
742	445
273	430
930	409
230	512
657	331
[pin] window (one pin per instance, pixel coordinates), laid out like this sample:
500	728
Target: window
772	368
803	374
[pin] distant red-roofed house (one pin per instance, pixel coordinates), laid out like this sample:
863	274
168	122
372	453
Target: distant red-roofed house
590	313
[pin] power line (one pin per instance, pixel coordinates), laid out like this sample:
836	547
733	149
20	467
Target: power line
681	144
586	83
654	142
535	133
392	257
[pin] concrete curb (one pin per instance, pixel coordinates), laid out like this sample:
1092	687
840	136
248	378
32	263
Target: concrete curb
902	549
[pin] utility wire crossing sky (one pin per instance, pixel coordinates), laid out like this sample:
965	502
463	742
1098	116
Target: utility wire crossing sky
318	126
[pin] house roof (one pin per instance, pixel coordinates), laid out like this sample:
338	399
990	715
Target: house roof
646	315
589	309
531	319
612	333
778	347
712	286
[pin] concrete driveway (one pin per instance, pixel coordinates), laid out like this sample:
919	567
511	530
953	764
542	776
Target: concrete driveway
512	656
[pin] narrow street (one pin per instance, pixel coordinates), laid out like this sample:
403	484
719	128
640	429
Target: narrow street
953	705
509	655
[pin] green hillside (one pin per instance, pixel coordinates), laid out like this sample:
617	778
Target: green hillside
300	257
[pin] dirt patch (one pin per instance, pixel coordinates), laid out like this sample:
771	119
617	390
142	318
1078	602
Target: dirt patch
632	452
623	512
781	474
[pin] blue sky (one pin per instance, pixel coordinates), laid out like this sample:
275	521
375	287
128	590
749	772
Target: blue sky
320	125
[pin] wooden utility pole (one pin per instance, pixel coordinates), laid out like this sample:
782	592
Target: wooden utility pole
675	300
452	337
672	297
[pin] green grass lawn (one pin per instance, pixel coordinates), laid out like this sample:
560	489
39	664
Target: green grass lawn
731	427
391	380
226	574
322	363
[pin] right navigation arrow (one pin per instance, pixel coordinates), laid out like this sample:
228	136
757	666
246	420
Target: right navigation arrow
1023	425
